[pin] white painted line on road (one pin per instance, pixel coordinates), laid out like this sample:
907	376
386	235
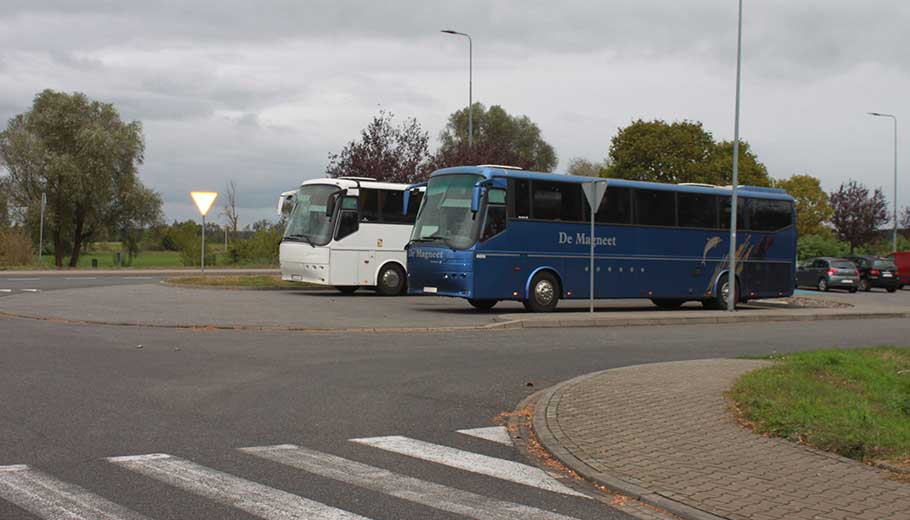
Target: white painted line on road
53	499
22	279
468	461
497	434
82	278
6	290
415	490
252	497
30	290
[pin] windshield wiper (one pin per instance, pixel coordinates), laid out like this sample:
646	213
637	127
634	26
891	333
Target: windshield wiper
304	237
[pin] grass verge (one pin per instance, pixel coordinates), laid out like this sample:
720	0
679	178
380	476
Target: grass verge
237	282
855	403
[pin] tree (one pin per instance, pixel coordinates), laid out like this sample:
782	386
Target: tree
230	209
679	152
82	155
499	138
4	202
138	208
809	246
905	218
585	168
857	213
812	208
385	152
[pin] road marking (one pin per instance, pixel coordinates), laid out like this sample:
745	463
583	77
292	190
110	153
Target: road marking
23	279
415	490
473	462
138	277
53	499
6	290
246	495
82	278
30	290
497	434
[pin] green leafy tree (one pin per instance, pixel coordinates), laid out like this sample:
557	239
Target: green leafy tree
679	152
82	155
808	246
499	138
384	152
812	207
4	202
585	168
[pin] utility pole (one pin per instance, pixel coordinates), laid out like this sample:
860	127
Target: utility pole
731	275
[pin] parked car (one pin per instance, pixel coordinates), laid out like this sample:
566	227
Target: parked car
828	273
876	271
902	261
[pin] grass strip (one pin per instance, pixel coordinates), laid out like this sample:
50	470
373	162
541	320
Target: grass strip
855	403
238	281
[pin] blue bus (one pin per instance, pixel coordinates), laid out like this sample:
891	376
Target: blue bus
489	234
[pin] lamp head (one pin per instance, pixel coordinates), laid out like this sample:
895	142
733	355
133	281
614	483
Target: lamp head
448	31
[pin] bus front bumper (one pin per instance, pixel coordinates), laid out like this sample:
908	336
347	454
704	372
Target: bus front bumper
304	263
442	273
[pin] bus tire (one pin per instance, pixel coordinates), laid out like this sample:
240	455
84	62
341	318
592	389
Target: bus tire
544	293
719	301
668	303
482	305
347	290
391	280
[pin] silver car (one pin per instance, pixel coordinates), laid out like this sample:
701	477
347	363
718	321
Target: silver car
828	273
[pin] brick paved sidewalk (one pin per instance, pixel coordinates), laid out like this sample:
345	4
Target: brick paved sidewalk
664	431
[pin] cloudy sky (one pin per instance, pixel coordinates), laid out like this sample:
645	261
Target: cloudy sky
261	92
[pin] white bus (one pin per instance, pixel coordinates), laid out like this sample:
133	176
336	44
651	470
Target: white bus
349	233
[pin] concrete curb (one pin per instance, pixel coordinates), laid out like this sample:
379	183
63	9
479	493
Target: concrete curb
554	440
135	272
169	283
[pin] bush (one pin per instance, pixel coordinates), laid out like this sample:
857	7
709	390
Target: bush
817	245
261	248
16	248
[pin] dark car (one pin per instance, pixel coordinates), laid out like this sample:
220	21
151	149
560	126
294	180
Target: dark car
876	271
828	273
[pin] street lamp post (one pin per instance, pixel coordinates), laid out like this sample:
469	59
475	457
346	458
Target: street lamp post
893	118
470	84
731	275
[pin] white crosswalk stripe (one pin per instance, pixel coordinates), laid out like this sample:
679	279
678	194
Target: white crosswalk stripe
468	461
422	492
497	434
254	498
53	499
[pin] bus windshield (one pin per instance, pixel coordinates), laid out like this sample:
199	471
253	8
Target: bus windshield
308	221
445	214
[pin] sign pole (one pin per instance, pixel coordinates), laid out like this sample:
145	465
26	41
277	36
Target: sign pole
203	243
594	192
591	306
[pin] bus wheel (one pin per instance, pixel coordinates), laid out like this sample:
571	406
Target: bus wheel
391	280
347	290
668	303
544	294
719	301
482	305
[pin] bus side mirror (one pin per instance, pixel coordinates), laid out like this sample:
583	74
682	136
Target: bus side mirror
332	202
407	196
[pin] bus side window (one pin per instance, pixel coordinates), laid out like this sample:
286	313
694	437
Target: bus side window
697	210
413	206
495	220
347	224
655	208
724	208
369	205
557	201
521	198
616	207
769	215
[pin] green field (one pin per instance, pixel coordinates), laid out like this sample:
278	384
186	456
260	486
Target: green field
852	402
145	259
